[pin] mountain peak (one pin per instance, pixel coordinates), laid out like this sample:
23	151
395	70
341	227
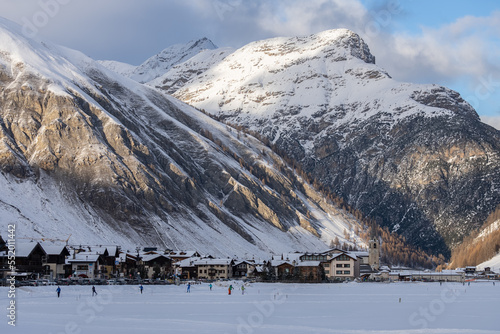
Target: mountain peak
169	57
348	39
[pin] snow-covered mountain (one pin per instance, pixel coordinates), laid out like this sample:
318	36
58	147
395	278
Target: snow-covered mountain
160	63
414	157
118	67
88	152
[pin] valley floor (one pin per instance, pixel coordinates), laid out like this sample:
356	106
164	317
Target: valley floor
264	308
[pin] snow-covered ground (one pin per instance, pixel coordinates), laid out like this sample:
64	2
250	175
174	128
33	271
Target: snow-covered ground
493	263
265	308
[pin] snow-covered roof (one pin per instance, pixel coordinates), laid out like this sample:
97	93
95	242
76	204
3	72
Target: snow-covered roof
214	262
84	257
238	262
150	257
53	249
352	256
309	264
187	262
288	256
25	249
360	253
276	263
184	254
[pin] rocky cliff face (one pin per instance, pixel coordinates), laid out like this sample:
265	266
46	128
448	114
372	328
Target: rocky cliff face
414	157
143	167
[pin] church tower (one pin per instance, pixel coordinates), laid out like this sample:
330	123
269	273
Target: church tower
374	254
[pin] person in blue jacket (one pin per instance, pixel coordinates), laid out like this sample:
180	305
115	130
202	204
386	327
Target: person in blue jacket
189	288
58	290
141	287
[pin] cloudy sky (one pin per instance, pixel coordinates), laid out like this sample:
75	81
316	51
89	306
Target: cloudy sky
455	43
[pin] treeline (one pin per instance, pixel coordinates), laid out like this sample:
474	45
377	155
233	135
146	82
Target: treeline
394	248
476	249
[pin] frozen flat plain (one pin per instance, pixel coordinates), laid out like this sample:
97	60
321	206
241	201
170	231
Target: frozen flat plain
265	308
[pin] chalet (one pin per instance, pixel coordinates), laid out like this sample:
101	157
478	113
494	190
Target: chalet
181	255
157	265
260	271
29	262
186	269
310	271
55	260
243	268
86	265
127	264
322	258
109	264
214	268
283	269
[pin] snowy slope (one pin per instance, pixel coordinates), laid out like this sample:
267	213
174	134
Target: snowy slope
178	75
121	68
493	263
160	63
88	152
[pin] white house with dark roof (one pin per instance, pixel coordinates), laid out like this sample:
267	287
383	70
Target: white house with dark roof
85	265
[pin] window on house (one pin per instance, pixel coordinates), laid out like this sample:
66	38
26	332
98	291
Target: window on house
339	272
347	272
347	265
339	265
343	257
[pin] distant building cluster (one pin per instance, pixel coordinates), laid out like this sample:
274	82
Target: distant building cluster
44	262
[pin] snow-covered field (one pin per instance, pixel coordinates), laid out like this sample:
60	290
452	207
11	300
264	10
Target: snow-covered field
265	308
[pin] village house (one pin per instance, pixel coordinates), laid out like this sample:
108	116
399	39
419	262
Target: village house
214	268
343	266
310	271
186	269
85	265
243	268
29	264
55	260
283	269
157	265
181	255
322	258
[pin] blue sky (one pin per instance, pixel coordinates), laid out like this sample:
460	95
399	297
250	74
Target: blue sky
451	43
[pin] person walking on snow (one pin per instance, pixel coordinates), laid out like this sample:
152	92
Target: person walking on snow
93	291
210	286
58	290
141	287
242	289
229	289
189	288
